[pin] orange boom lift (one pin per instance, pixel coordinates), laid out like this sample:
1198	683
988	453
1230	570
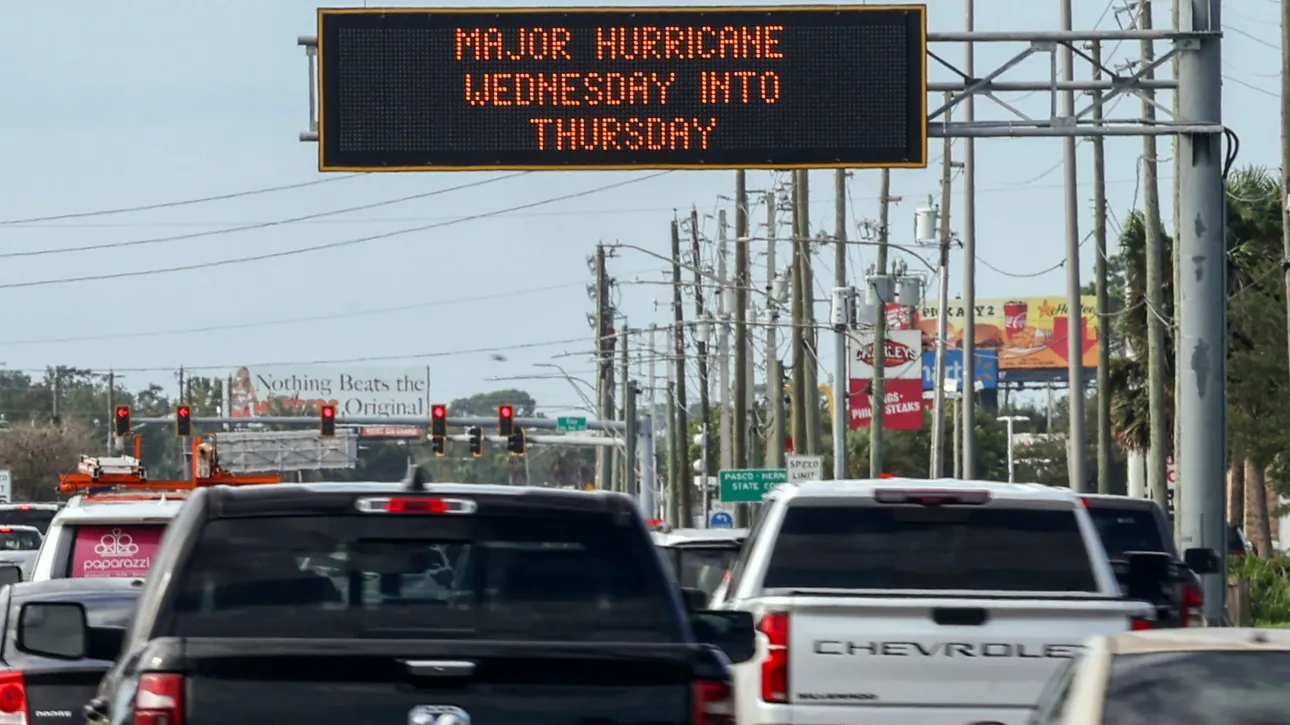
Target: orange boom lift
127	472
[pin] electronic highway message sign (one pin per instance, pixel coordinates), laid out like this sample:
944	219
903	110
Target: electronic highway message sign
622	88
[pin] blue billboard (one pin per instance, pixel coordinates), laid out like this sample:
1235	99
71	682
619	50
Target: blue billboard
987	368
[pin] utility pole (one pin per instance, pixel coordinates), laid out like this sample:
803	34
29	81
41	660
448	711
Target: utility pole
1202	315
945	237
649	466
800	293
1158	455
1075	309
1285	150
703	321
604	364
674	450
743	279
624	471
967	401
774	366
842	384
723	342
1104	482
55	414
681	435
1179	360
878	383
810	336
630	391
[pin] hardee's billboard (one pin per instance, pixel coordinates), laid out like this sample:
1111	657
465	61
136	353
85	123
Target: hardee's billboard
1029	333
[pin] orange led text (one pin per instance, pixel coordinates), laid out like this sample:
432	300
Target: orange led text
517	44
672	42
623	134
567	89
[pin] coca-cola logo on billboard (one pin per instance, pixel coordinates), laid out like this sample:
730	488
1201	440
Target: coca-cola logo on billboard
896	354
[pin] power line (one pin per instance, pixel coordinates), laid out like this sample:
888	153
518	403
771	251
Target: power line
353	360
295	320
184	202
258	225
330	245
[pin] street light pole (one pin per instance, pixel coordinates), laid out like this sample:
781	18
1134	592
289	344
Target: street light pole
1010	420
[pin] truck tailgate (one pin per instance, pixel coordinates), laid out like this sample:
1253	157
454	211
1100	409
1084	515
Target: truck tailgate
388	682
938	651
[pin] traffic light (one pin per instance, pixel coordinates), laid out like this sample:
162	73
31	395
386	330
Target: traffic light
439	421
121	422
516	442
327	421
437	445
505	420
476	435
183	421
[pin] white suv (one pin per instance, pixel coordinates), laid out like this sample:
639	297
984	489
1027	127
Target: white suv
105	535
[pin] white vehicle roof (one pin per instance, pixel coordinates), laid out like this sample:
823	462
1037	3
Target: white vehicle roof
698	537
1209	639
81	511
19	527
865	488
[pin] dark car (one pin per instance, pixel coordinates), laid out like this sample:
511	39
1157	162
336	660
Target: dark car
416	603
1128	524
60	636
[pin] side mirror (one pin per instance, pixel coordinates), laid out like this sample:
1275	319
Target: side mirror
696	600
731	632
10	574
1148	571
53	629
1202	561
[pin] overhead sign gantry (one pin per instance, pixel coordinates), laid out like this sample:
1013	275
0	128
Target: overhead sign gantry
411	89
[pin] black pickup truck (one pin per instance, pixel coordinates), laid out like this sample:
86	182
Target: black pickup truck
415	604
1139	525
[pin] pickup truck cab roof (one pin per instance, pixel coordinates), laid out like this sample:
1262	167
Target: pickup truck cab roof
699	537
892	601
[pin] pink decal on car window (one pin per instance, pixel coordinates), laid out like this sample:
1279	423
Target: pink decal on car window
115	551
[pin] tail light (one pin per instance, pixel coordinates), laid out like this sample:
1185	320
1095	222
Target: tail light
13	699
774	669
714	703
159	700
415	505
1137	624
1193	604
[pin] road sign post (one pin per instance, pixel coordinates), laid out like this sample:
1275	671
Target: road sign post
567	424
749	485
804	468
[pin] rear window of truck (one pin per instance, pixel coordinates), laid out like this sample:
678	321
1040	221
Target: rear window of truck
439	577
941	547
1123	530
24	516
114	550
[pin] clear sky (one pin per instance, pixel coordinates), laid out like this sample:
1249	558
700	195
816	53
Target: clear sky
131	103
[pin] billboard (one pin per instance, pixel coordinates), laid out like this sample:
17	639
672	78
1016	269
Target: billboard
421	89
902	380
986	372
1027	333
355	391
902	359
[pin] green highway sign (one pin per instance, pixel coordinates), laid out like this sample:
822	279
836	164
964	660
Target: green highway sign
570	425
750	485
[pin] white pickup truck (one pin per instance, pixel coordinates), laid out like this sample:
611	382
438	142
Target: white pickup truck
908	601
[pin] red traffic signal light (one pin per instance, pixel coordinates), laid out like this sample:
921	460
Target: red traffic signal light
183	421
439	421
327	421
505	420
121	422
